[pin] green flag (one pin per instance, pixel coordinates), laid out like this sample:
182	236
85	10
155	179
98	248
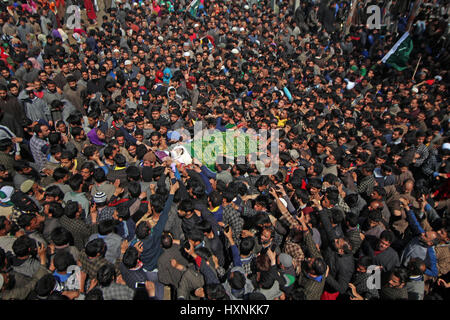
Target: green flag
398	56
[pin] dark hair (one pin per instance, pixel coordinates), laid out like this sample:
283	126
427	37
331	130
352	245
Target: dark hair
133	173
54	191
186	205
319	266
157	202
246	246
23	246
106	227
106	275
332	195
237	280
266	280
400	273
134	189
166	240
195	234
60	236
94	294
351	200
365	261
99	175
120	160
215	291
142	230
337	216
205	226
71	209
388	235
414	266
75	181
95	247
89	151
59	173
24	219
352	219
45	285
216	198
130	257
62	260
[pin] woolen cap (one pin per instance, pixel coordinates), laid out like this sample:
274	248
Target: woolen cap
285	260
26	185
100	197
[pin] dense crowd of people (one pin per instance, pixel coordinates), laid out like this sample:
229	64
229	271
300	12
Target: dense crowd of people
94	205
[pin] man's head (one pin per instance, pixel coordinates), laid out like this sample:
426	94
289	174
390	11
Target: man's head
41	130
3	92
314	266
342	246
397	278
429	238
387	237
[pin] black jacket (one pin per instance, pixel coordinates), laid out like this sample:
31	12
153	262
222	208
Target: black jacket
388	259
341	271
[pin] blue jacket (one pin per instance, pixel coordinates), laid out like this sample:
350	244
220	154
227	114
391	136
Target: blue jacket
152	243
415	249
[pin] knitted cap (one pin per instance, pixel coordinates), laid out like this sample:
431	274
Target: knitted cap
285	260
99	197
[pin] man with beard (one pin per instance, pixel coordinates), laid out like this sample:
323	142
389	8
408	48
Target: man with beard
176	122
10	104
78	140
422	244
39	145
154	116
93	86
5	177
52	93
36	109
127	129
27	73
14	90
5	76
61	77
380	250
222	121
50	47
95	122
32	224
338	256
314	269
74	93
395	287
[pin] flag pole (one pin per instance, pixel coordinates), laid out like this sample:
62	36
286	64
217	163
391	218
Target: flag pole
350	17
413	14
417	66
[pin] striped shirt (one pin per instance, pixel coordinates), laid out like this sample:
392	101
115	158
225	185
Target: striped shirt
37	150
